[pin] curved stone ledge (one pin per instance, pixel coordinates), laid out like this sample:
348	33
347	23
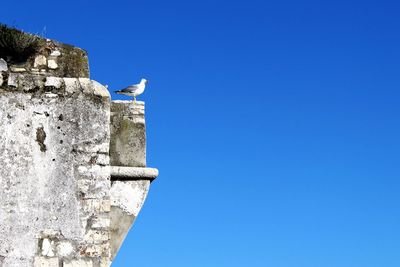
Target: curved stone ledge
133	173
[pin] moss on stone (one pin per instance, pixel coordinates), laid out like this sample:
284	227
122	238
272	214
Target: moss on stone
75	61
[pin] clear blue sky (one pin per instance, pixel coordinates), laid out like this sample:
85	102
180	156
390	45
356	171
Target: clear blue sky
275	124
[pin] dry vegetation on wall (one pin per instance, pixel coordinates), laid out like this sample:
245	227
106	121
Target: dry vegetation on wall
17	46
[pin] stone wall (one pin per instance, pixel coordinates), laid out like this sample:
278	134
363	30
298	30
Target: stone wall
55	175
130	179
61	201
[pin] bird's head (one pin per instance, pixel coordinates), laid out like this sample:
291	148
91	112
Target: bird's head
144	81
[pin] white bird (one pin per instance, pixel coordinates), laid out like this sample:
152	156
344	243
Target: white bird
134	90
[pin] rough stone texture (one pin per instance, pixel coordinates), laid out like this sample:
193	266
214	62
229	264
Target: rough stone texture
40	60
78	263
127	199
128	145
57	204
55	53
3	65
46	262
42	187
130	179
52	64
49	58
53	82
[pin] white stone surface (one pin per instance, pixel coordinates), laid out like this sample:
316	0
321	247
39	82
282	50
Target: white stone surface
100	90
45	262
40	60
78	263
47	248
55	53
52	64
50	232
129	195
71	85
16	69
64	249
97	205
13	79
95	235
54	82
3	65
38	177
128	131
101	222
86	85
50	95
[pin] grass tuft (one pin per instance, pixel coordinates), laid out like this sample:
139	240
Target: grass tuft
17	46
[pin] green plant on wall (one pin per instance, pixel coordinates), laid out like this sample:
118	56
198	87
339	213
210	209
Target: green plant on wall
16	45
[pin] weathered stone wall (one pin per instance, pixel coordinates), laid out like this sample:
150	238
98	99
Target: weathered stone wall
27	53
129	176
73	176
54	176
128	145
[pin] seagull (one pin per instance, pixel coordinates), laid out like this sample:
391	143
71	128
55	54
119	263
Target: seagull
133	90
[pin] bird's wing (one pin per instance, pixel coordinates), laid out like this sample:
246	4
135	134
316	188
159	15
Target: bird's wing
130	89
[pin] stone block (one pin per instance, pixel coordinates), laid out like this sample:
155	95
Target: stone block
39	171
13	79
46	262
52	64
96	250
97	236
96	205
127	198
128	134
55	82
40	60
65	248
16	69
100	90
78	263
71	85
48	248
100	222
55	53
89	188
95	172
3	65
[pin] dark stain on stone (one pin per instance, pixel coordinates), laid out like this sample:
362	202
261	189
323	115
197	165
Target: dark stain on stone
93	160
61	117
46	113
40	137
61	141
